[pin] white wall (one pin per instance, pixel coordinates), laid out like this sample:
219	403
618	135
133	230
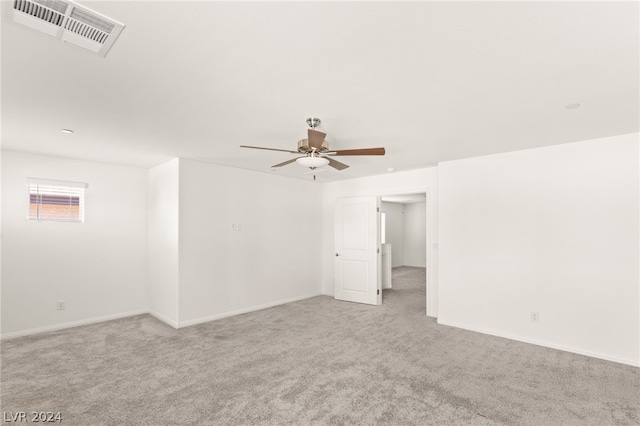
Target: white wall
163	220
98	267
394	218
158	241
552	230
275	256
406	231
415	227
414	181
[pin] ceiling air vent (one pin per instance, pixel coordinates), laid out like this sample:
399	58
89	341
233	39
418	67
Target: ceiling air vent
69	22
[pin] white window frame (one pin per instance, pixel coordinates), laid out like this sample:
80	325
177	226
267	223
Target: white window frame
52	186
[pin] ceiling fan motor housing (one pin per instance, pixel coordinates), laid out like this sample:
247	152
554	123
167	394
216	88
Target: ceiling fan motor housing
304	148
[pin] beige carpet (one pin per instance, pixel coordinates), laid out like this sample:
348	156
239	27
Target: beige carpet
317	361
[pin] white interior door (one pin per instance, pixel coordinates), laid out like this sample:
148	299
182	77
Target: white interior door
357	250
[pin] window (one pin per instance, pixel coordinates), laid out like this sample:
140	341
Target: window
54	200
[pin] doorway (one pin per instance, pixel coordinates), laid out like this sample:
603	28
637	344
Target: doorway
404	243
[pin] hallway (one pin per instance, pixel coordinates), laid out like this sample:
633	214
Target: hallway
408	291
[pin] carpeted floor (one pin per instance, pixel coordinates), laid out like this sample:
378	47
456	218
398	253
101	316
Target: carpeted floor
318	361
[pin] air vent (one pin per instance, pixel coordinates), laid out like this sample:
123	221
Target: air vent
51	11
69	22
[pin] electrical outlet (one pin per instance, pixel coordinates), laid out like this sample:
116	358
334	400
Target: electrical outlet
535	317
60	305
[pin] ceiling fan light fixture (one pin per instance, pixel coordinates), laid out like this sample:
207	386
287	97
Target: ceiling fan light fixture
312	162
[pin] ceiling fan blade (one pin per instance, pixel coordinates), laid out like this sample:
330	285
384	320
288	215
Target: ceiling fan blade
315	138
336	164
363	151
269	149
286	162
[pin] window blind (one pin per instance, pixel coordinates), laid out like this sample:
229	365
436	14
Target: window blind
51	200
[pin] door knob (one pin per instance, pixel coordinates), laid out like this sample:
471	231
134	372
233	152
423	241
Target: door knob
337	254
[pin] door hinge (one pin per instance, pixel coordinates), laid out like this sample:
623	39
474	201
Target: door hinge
377	250
378	291
378	209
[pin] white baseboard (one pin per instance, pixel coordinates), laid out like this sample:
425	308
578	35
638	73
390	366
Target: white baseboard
245	310
164	319
579	351
156	315
72	324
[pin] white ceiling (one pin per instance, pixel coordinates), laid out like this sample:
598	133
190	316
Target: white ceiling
429	81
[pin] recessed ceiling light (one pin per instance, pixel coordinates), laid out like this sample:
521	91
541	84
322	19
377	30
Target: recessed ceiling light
572	106
391	169
67	131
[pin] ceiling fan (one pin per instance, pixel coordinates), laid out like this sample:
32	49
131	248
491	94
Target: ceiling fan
316	150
